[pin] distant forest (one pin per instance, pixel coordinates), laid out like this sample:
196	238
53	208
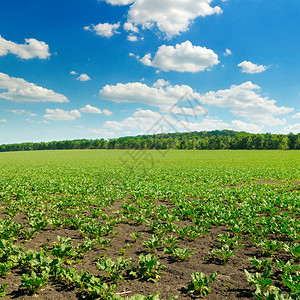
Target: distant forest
217	139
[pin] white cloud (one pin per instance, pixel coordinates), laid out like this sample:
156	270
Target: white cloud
140	120
83	77
132	38
242	126
95	110
91	109
182	58
149	122
19	90
295	128
31	49
105	29
17	111
187	112
107	112
101	131
130	27
112	125
3	121
160	83
251	68
209	124
73	73
137	92
22	112
118	2
33	122
61	115
296	116
244	101
171	17
227	52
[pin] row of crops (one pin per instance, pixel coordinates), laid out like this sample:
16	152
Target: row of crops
213	224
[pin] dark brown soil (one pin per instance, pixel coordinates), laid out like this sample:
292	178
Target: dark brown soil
230	283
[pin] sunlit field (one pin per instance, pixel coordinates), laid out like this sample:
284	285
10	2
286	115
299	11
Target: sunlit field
119	224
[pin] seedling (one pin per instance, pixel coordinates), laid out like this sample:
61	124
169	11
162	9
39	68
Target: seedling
2	290
294	250
224	253
199	284
114	269
153	243
260	265
135	236
260	281
148	268
64	248
178	253
154	296
287	268
34	282
224	239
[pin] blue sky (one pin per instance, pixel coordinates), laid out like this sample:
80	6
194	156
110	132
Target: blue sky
110	68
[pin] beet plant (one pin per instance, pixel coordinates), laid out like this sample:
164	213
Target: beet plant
199	284
149	268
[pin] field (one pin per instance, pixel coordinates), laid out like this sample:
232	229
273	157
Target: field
111	224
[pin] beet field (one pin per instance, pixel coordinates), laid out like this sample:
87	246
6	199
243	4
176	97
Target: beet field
117	224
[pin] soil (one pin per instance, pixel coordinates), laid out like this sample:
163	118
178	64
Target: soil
230	283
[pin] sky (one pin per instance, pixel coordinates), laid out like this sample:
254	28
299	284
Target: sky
95	69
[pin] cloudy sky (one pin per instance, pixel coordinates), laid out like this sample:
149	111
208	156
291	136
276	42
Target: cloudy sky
108	68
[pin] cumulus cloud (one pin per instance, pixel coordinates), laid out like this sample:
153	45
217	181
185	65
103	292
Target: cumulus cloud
227	52
159	95
245	101
118	2
104	29
83	77
95	110
295	128
183	57
130	27
160	83
61	115
91	109
31	49
141	119
107	112
149	122
21	112
132	38
73	73
19	90
249	127
171	17
251	68
296	116
101	131
209	124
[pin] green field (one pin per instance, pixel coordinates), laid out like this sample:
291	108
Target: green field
81	223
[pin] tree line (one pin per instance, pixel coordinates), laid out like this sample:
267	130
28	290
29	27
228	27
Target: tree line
217	139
